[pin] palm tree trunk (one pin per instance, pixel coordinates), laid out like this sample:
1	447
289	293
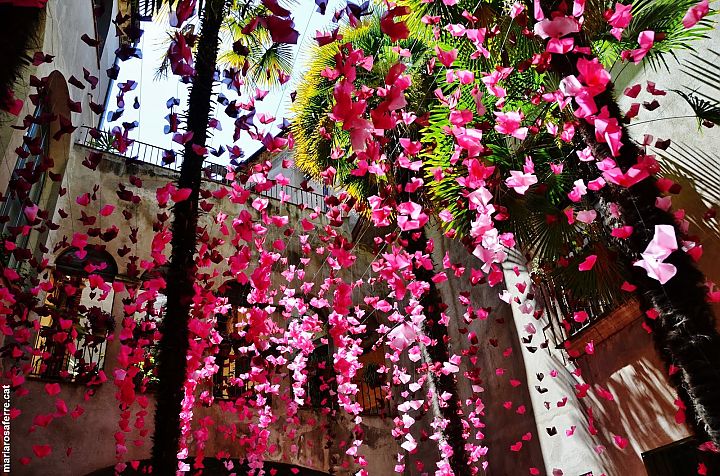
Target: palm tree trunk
438	353
174	345
685	332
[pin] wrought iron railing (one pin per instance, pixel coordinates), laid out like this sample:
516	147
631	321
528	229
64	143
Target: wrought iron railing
138	151
372	399
560	308
296	196
57	362
134	150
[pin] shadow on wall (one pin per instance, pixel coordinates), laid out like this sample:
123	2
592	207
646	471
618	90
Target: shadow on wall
213	466
642	408
696	171
494	347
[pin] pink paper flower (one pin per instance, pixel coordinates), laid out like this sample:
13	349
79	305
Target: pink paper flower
557	27
520	182
696	13
509	123
660	248
619	19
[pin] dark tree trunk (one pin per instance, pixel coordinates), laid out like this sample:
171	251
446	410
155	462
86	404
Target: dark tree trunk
438	353
684	333
181	273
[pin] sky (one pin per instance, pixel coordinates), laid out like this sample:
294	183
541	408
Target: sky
153	93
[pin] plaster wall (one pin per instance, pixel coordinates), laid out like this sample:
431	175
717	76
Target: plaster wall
573	455
91	436
62	25
692	157
626	363
497	351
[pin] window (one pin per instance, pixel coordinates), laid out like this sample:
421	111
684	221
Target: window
27	181
321	384
560	306
371	395
77	320
680	458
232	379
146	333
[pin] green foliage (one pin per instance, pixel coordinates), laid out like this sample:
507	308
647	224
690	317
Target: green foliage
314	102
266	59
664	17
536	218
704	109
104	142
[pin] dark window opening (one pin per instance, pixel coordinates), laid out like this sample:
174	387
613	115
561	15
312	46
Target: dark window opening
560	306
321	384
681	458
372	384
146	333
233	379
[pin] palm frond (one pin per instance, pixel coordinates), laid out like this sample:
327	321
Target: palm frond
149	8
601	285
161	72
706	110
267	60
700	167
664	17
315	101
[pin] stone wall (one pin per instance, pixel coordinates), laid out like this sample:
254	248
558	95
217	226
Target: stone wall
86	444
63	24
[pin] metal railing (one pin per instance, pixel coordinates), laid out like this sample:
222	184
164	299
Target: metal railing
138	151
561	308
295	196
372	399
134	150
57	363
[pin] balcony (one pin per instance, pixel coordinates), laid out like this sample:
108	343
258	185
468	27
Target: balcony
605	316
144	153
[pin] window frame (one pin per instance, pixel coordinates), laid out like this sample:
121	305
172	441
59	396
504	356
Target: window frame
89	327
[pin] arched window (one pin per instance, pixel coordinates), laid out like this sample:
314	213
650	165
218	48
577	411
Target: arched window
369	381
45	149
321	384
373	389
70	345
